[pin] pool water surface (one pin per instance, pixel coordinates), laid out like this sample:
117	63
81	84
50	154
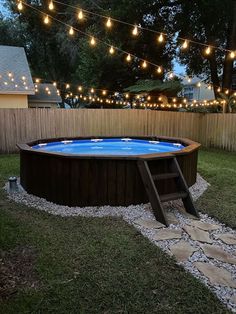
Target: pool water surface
112	147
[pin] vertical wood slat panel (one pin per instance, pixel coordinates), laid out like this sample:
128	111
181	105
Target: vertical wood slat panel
23	125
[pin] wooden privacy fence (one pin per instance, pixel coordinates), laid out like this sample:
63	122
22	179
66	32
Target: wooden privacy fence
22	125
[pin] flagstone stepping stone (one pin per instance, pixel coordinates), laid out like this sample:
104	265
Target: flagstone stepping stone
197	234
172	219
149	224
216	275
182	250
187	215
213	251
233	299
227	238
167	234
204	225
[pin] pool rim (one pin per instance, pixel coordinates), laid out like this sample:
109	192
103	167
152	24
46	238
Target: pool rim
190	146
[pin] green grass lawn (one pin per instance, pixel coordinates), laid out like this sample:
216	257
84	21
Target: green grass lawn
81	265
219	169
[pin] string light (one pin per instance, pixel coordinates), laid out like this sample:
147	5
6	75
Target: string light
92	41
80	15
135	30
104	92
232	54
185	44
144	65
51	5
159	70
208	50
161	38
109	23
80	88
112	50
71	31
128	58
92	90
143	28
20	6
46	19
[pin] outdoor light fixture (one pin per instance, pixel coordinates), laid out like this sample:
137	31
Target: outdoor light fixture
80	15
51	5
20	6
108	23
13	184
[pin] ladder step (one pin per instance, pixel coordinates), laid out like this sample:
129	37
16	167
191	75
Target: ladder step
164	176
173	196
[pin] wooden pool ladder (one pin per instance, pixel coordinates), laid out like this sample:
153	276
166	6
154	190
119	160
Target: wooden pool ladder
151	187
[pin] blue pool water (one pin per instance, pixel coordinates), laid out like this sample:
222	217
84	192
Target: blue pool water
115	146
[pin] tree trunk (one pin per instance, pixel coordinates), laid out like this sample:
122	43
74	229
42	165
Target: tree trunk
214	73
231	45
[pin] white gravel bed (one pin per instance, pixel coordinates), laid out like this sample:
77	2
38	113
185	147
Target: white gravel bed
131	213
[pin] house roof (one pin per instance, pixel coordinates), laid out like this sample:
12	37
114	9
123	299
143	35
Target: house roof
15	76
45	93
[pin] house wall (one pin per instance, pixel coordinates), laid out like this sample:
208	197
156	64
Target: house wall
42	105
13	101
191	91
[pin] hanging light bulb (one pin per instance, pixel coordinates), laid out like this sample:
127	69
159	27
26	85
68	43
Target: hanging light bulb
218	89
112	50
232	54
20	6
108	23
80	15
185	44
159	70
80	88
135	30
71	31
161	38
199	84
92	90
208	50
67	86
51	5
92	41
104	92
144	65
128	58
46	19
171	75
227	92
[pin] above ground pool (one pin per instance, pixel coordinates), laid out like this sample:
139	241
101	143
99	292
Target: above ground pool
102	171
113	147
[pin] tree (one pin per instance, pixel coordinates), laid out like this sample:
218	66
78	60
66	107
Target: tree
212	22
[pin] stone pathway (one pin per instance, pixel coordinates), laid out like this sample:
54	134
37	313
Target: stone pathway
206	248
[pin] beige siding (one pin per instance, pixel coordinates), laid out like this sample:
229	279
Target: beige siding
13	101
42	105
22	125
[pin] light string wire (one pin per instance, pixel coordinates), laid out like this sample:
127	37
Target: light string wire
227	91
177	102
92	36
144	28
